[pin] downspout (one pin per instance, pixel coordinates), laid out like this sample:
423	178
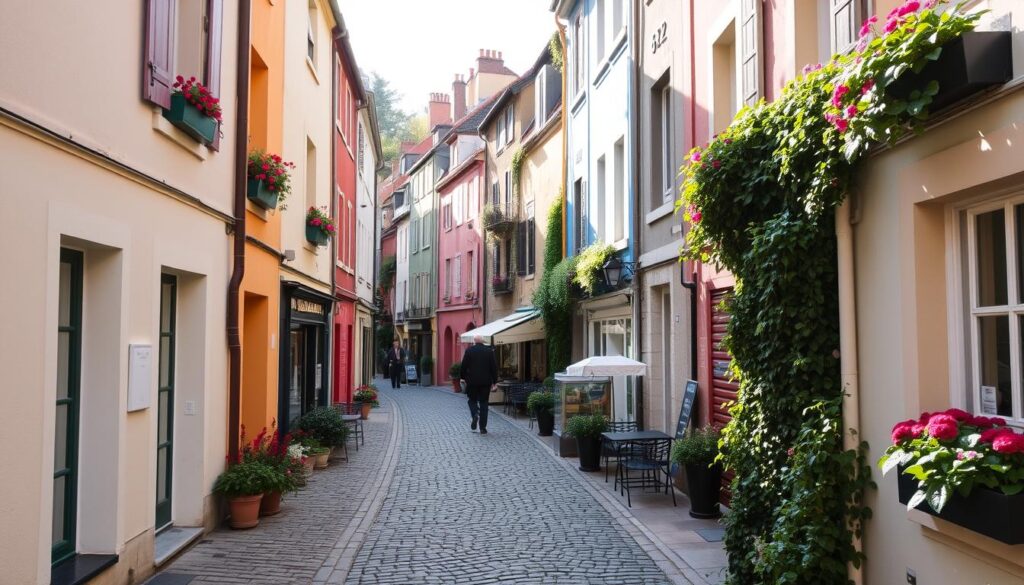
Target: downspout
332	372
238	271
565	133
848	345
636	71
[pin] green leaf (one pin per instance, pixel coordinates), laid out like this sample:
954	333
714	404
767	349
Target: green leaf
890	464
937	497
1014	489
916	499
934	55
932	89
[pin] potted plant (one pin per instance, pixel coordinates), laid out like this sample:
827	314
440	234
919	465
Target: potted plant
587	429
326	427
273	451
454	371
542	404
194	110
303	464
366	396
696	452
319	226
305	448
268	179
965	469
426	370
243	484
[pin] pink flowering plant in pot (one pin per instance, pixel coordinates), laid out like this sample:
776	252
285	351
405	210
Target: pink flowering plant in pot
269	179
954	452
319	226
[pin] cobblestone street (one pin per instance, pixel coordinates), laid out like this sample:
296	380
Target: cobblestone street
429	501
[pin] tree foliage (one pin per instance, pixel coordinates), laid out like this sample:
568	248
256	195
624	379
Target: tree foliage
761	198
396	125
552	296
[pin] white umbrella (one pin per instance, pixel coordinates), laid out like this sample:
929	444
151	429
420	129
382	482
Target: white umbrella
607	365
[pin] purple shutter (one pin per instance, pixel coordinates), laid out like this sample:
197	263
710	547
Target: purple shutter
214	38
158	60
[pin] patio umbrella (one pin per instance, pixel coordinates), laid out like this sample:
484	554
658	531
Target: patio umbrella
607	365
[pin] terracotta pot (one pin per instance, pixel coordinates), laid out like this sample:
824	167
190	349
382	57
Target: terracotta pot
245	511
365	410
321	460
270	504
308	464
457	386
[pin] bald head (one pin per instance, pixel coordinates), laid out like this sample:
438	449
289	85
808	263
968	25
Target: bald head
478	339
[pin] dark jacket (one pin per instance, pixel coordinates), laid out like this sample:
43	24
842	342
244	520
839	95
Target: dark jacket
392	362
479	366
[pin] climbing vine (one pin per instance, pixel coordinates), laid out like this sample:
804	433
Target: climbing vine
555	48
517	168
761	199
552	296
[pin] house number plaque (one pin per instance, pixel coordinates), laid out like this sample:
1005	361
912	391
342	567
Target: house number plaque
659	37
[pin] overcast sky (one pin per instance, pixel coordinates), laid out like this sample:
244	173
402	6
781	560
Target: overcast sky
419	45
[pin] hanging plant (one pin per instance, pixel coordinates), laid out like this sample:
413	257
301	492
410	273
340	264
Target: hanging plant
555	48
589	263
761	199
319	226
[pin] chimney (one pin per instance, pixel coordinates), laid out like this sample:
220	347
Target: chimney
440	110
458	97
490	61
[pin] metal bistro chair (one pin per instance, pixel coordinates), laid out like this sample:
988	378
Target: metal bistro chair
650	463
516	398
530	389
351	413
610	451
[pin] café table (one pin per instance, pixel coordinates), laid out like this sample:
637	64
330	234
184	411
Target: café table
618	440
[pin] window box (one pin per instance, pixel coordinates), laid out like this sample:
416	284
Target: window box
316	236
258	193
190	120
988	512
966	66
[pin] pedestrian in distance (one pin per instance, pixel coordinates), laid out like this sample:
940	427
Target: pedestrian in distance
394	363
479	369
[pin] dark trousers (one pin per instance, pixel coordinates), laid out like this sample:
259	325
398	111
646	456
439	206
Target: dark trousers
479	396
396	376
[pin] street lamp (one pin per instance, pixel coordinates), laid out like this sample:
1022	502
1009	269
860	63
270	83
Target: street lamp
613	270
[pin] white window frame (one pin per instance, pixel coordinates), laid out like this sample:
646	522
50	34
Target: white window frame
457	266
667	174
510	124
968	333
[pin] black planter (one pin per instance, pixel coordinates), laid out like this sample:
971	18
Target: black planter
590	453
967	65
545	423
988	512
705	485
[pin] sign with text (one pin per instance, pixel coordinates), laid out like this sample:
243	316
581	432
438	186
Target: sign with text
140	369
410	373
689	398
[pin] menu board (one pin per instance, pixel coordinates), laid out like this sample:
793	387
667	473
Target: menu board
689	397
410	373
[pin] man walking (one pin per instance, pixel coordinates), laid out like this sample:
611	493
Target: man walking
480	371
394	364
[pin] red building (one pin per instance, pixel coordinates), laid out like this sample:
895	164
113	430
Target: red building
460	237
348	98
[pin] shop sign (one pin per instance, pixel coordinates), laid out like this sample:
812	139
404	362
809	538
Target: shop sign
305	306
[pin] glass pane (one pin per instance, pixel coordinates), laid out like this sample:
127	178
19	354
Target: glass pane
165	361
64	296
59	485
166	296
161	475
1019	222
991	258
63	357
60	443
994	366
163	417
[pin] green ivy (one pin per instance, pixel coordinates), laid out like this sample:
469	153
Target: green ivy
761	199
591	261
555	48
517	168
552	296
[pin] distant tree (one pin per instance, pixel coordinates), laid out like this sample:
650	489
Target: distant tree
396	125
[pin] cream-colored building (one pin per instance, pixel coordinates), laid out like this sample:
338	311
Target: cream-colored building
116	225
936	264
368	153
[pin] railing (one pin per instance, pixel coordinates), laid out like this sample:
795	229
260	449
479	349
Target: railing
499	218
501	285
419	312
400	317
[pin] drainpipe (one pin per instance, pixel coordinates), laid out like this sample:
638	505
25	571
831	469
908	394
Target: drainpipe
637	73
238	271
848	344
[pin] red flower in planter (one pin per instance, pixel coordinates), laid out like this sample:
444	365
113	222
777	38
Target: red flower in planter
198	95
272	169
319	219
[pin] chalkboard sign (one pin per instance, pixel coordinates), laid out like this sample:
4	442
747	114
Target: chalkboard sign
689	397
410	373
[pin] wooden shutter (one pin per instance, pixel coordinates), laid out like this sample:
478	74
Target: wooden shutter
723	390
521	251
750	51
214	41
531	245
846	17
158	60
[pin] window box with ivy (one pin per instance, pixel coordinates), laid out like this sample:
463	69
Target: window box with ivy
319	227
194	110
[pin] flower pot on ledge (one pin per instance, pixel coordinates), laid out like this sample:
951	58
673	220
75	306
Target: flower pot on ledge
258	193
316	236
190	120
967	65
988	512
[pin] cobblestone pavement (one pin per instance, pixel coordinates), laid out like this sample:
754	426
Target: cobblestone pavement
289	548
474	509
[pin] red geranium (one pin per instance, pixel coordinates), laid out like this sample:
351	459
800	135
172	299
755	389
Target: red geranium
198	95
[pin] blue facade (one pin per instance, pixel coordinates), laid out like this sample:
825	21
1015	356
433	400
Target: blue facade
599	70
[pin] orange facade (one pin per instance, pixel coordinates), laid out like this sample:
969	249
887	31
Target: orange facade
261	289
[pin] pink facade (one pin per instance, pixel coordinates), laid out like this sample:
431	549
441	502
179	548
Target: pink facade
460	245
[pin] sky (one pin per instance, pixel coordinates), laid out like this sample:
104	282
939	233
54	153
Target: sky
419	45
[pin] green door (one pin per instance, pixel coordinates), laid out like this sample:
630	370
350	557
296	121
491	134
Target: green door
165	400
65	448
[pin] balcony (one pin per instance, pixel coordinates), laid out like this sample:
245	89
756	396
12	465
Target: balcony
420	312
499	219
400	317
501	284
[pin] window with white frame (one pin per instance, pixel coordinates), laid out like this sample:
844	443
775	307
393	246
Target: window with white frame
577	55
471	281
599	34
618	17
458	275
620	217
501	132
992	259
509	124
447	278
311	33
540	98
474	199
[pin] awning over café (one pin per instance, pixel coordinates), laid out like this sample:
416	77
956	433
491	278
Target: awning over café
524	324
